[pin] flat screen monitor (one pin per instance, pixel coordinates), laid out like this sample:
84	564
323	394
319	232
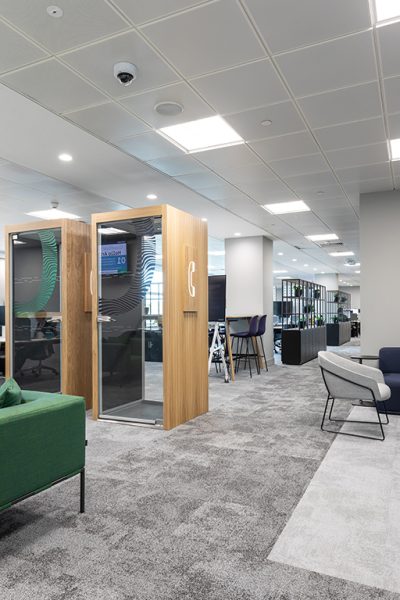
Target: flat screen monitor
114	258
216	297
282	309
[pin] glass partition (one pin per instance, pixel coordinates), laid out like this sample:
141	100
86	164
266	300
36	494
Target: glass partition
130	311
36	309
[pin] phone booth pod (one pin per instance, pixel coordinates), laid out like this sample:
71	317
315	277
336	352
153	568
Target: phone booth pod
149	316
48	321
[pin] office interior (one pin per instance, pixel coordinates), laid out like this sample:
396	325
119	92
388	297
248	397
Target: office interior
199	350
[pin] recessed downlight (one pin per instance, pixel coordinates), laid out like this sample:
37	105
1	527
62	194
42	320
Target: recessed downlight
266	123
151	196
65	157
204	219
237	234
168	109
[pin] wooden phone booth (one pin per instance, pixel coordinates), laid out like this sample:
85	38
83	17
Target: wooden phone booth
150	316
48	325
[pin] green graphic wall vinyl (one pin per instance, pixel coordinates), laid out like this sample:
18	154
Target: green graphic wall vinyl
48	278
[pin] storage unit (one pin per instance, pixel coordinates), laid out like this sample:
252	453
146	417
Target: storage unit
303	320
149	316
48	323
338	325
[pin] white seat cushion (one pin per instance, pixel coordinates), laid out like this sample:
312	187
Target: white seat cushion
384	391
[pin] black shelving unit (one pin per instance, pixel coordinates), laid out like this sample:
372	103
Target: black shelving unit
338	317
303	320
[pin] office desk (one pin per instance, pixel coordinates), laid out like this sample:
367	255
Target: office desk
228	321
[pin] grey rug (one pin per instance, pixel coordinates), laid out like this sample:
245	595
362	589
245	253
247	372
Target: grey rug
190	514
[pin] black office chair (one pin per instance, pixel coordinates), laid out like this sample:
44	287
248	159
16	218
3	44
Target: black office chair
241	336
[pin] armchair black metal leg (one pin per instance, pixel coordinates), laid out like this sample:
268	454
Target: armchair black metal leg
379	419
324	415
82	491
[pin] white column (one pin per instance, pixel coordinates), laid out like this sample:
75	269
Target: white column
380	280
249	287
329	280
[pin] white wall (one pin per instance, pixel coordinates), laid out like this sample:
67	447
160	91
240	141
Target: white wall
248	266
329	280
380	280
354	291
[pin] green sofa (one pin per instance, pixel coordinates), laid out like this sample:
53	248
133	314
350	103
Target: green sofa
42	442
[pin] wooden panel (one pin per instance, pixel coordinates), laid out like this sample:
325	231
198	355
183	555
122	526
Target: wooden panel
76	325
87	292
185	335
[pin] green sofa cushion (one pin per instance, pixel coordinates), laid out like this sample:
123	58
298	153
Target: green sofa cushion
10	394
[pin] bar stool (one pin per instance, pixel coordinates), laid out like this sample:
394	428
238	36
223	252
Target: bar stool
260	332
247	335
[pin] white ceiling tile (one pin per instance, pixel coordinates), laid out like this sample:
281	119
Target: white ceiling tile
331	194
82	22
192	40
15	50
287	24
180	165
108	121
364	172
363	155
301	165
311	182
342	106
349	135
265	192
394	126
199	181
96	62
383	184
389	41
140	12
231	157
335	64
392	93
193	106
247	174
54	86
220	192
284	117
148	146
53	186
241	88
306	223
286	146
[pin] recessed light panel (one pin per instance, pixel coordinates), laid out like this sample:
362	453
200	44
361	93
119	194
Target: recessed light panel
395	149
64	157
52	213
151	196
341	253
387	10
283	208
202	134
322	237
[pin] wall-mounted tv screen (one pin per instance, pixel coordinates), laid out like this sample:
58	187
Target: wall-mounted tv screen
114	259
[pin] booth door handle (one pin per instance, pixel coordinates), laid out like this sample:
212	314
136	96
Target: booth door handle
105	319
191	270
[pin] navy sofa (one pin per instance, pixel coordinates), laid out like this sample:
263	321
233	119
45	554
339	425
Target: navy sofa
389	364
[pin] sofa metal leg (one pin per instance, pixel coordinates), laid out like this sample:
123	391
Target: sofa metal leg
82	491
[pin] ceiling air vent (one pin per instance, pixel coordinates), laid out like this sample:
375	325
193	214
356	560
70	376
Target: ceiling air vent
330	244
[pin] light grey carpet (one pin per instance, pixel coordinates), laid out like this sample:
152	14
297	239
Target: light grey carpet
190	514
348	522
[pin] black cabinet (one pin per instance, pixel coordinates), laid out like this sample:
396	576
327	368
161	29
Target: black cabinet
301	345
338	333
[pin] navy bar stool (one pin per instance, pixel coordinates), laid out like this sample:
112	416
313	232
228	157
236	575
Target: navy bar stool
247	335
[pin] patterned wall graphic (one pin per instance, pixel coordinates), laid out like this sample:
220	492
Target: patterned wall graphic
48	278
142	273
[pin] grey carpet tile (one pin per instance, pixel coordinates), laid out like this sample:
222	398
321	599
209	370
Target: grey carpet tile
189	514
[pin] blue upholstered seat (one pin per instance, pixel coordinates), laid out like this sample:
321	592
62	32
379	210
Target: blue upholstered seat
389	364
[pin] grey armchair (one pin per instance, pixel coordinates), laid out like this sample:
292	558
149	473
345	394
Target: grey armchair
346	380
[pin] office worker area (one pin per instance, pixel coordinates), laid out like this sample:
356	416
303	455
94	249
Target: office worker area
199	342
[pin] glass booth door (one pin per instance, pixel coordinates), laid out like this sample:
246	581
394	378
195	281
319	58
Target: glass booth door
130	328
36	309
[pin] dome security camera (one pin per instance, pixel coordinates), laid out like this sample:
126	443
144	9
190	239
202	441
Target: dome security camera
125	73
